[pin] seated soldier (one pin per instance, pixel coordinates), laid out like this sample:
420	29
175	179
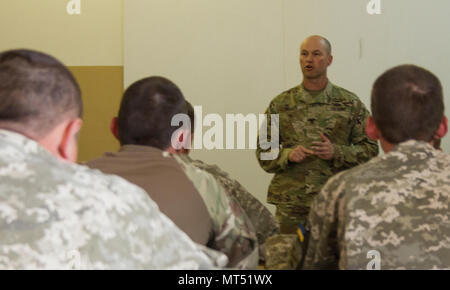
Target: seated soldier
194	200
60	215
392	212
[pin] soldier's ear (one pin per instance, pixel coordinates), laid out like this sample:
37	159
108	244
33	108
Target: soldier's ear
68	144
113	127
442	130
330	60
372	129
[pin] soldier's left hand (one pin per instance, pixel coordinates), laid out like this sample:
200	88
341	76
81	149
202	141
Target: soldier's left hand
325	149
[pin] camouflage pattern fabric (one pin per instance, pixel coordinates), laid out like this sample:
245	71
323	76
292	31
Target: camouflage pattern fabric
290	217
396	204
234	233
59	215
262	219
283	252
303	115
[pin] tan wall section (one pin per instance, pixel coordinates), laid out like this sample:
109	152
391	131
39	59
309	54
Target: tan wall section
102	88
90	43
95	37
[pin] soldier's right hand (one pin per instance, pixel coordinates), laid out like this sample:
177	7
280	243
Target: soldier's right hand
299	154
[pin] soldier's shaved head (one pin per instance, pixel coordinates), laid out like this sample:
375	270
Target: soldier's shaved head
315	58
323	40
36	92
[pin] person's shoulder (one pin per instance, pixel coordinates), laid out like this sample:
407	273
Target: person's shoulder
108	186
285	96
444	159
202	179
213	169
440	166
349	179
344	94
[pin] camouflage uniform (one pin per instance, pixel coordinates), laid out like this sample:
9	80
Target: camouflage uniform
303	115
59	215
396	204
263	221
283	252
234	233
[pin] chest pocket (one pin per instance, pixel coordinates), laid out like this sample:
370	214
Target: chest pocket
293	125
303	123
333	120
340	122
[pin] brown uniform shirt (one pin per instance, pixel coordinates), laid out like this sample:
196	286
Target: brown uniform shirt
166	183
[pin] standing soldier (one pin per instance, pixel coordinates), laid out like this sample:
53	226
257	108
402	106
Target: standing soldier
321	133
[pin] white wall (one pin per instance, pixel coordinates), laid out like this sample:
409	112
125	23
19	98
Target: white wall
234	56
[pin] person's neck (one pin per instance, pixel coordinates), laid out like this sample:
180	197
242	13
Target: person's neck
315	84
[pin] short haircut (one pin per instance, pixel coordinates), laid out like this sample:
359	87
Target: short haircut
37	92
327	44
146	112
407	104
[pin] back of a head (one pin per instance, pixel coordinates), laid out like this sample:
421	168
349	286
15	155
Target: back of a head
407	104
36	92
146	113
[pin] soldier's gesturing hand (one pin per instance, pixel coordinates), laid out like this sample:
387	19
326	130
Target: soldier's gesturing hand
325	149
299	154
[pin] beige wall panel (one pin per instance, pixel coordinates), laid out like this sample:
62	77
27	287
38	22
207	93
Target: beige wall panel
95	37
102	89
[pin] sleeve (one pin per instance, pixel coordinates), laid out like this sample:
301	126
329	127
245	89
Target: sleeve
361	148
264	223
272	157
233	232
323	245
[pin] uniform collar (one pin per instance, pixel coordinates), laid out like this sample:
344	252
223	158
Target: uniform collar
415	147
323	97
140	148
17	139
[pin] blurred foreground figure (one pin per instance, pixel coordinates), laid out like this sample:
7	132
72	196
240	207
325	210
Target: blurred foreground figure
392	212
192	198
56	214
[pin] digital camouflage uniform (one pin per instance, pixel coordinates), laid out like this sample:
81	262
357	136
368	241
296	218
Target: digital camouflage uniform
262	219
303	115
234	233
59	215
283	252
396	204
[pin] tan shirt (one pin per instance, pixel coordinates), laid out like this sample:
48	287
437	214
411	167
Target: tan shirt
166	183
